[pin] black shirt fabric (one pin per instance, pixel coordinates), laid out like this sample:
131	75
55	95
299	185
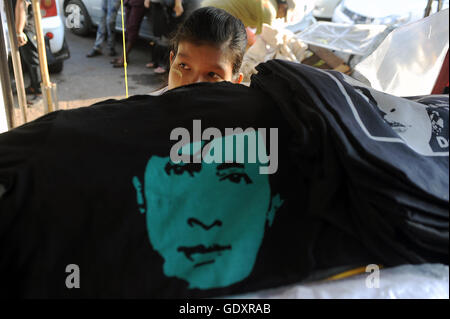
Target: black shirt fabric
70	182
378	160
93	187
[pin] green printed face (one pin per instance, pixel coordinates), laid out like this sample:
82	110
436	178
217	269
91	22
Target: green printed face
207	221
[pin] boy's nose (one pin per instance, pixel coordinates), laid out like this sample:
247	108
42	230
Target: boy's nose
199	79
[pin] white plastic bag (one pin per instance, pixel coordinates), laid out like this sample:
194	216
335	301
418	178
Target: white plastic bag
427	281
352	39
409	60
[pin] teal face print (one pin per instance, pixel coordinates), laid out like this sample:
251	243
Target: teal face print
207	221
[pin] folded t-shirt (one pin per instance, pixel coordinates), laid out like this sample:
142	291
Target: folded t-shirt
94	198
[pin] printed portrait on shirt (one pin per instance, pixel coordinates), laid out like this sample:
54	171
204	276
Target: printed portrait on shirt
424	128
207	220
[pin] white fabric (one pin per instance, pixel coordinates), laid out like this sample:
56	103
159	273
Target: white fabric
353	39
428	281
274	42
159	92
409	60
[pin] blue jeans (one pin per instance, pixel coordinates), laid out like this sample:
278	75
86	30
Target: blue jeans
106	27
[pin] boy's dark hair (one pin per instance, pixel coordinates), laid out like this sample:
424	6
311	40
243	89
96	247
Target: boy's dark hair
214	26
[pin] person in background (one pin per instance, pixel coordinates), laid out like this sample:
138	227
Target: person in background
157	15
166	16
135	11
26	38
253	13
106	29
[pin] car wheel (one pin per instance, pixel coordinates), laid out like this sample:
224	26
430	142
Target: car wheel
77	17
56	67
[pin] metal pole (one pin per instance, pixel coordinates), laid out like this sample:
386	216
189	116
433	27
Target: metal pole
428	8
47	86
15	55
5	81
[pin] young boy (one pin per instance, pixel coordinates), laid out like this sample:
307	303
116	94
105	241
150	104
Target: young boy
208	47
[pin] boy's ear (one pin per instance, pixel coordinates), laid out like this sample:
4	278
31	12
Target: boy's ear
239	79
172	56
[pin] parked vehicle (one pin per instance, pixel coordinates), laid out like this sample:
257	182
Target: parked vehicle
53	27
54	34
387	12
324	9
84	15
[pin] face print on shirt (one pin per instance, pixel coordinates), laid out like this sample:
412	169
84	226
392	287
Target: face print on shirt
207	220
423	128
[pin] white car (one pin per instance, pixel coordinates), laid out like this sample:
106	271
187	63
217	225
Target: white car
81	16
324	9
387	12
53	28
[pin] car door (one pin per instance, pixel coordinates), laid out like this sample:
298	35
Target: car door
94	8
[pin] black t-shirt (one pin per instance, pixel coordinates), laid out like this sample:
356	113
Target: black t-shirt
384	157
98	187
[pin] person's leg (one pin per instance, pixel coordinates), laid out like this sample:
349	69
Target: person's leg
101	32
190	6
134	24
119	61
136	15
162	53
159	24
113	8
170	27
152	63
163	61
29	55
158	19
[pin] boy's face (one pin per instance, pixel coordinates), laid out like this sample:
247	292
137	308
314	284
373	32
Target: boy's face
200	63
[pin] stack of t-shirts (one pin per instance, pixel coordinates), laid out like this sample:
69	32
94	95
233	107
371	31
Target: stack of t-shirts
379	161
94	203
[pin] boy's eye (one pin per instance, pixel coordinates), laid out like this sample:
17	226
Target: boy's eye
183	66
214	75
